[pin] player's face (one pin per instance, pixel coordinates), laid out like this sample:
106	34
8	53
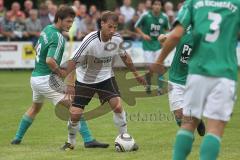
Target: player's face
108	29
66	23
156	7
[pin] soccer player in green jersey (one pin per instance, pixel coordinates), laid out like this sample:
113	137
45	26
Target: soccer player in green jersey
178	75
150	25
49	49
211	82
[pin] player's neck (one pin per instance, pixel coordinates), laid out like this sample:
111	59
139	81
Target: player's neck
104	39
56	25
156	13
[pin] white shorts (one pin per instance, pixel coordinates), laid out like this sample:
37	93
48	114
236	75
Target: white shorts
41	90
150	56
211	97
175	95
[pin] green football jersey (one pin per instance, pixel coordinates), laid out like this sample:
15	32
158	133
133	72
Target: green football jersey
152	26
50	44
215	29
179	68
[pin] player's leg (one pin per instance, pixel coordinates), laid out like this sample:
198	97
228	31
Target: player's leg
119	115
26	122
148	60
176	99
76	110
160	77
110	92
218	110
192	111
31	113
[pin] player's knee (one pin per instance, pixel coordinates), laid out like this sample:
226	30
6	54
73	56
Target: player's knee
34	110
118	108
75	113
178	114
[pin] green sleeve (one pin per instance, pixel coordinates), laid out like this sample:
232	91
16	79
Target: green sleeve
140	21
55	45
184	16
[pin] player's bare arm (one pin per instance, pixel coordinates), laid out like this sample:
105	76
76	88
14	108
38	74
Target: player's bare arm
143	35
171	41
127	60
55	67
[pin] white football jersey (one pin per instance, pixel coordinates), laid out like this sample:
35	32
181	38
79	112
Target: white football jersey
95	58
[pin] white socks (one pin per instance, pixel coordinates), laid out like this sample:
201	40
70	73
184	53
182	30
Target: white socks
120	121
72	130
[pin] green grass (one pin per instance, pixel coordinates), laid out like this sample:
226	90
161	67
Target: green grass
42	141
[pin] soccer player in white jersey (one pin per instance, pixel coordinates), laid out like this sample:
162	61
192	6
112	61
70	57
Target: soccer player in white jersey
96	56
50	48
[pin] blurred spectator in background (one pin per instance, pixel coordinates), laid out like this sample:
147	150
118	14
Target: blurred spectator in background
2	10
140	9
20	29
52	10
76	6
148	5
33	25
127	10
8	27
94	13
127	31
169	10
2	14
15	11
82	11
48	2
43	15
86	25
28	5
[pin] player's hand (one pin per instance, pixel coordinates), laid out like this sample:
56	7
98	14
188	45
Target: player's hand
61	73
157	68
162	38
146	37
141	80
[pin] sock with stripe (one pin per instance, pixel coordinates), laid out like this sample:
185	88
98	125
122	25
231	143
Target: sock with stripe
183	144
210	147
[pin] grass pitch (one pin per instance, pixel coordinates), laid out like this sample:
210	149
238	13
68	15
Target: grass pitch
149	122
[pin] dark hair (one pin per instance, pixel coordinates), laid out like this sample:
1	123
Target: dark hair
161	1
108	15
64	12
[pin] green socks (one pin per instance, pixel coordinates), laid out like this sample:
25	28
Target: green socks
84	131
25	123
183	144
210	147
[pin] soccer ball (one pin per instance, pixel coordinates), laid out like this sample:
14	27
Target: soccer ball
125	143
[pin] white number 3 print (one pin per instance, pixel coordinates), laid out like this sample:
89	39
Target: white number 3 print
215	26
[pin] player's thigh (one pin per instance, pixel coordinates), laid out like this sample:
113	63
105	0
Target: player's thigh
107	90
196	92
220	102
42	86
83	94
37	96
175	96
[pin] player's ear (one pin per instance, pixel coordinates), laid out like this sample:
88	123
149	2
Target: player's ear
102	24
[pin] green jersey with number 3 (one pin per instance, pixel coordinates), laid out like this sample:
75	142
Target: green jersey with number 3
179	68
50	44
152	26
215	30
